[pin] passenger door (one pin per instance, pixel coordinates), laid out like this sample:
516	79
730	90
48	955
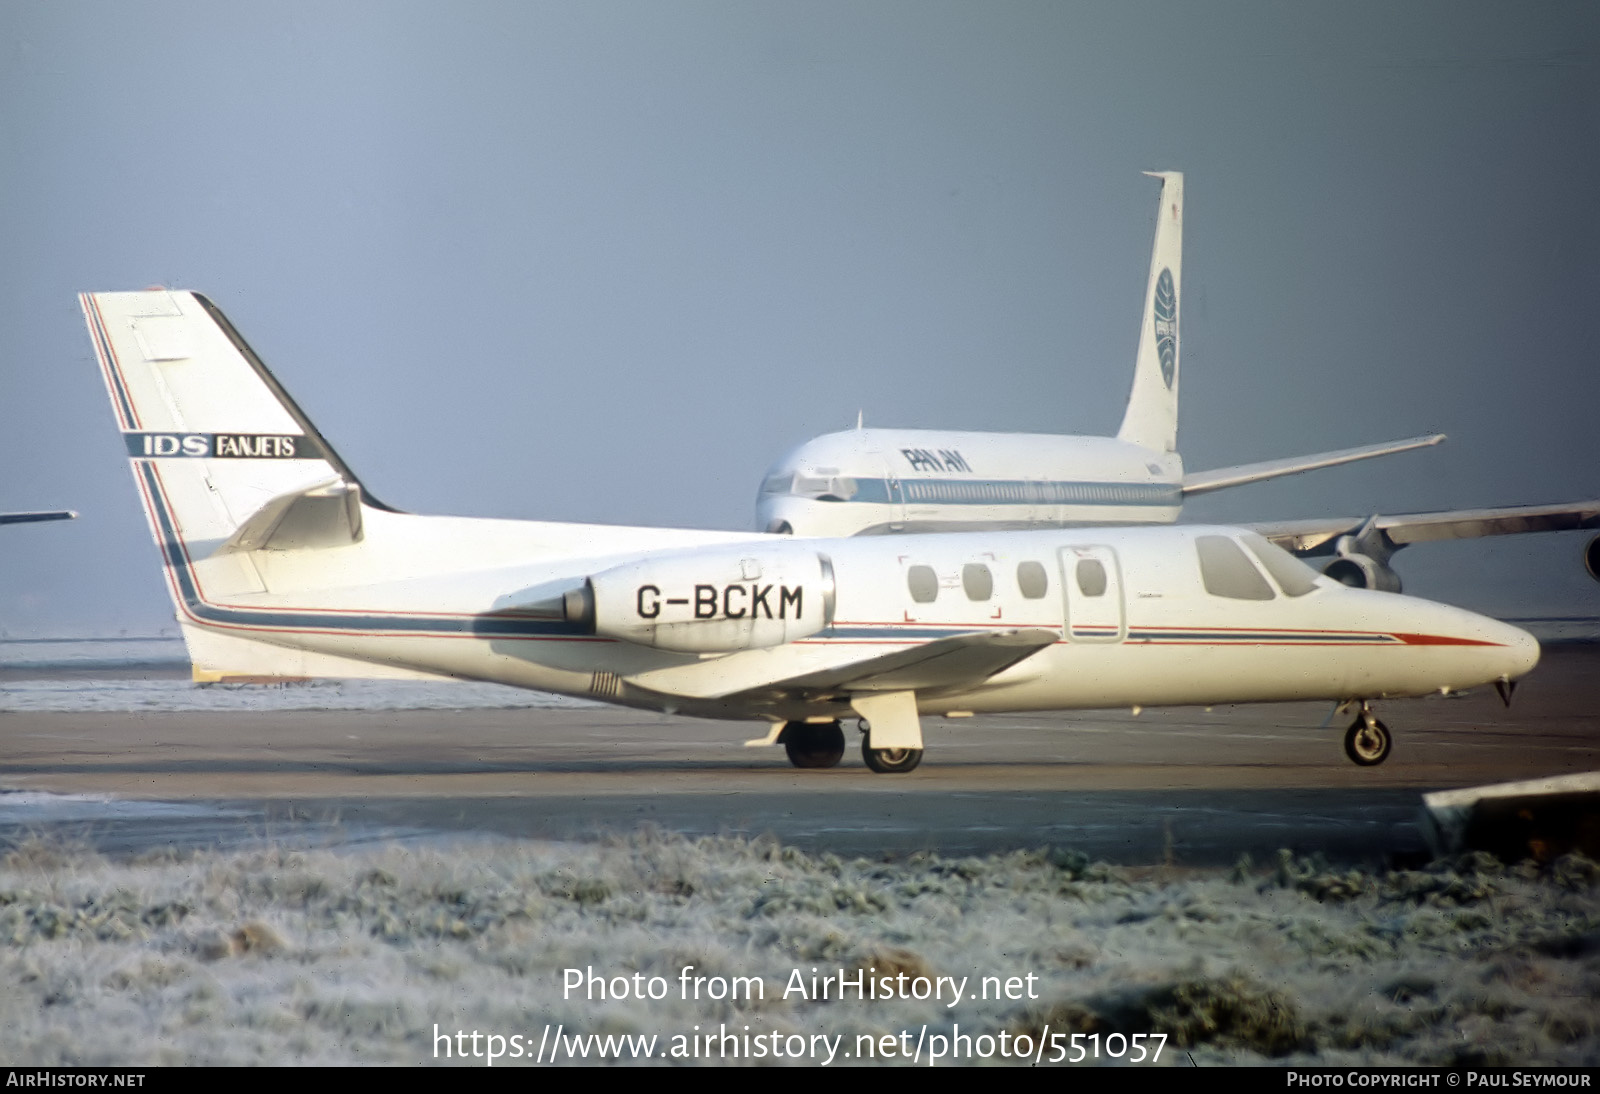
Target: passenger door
1091	588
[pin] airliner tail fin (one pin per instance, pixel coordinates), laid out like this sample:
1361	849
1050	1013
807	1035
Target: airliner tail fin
1152	416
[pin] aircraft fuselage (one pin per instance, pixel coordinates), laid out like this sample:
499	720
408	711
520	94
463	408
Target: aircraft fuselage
874	481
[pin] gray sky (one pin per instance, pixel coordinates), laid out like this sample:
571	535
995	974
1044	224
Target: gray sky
607	261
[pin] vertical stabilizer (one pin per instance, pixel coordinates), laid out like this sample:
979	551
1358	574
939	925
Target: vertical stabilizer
217	446
1152	416
226	465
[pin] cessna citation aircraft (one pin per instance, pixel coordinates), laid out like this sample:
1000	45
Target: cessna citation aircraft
281	564
867	481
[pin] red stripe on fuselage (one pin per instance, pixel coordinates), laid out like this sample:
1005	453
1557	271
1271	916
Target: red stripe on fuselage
1441	640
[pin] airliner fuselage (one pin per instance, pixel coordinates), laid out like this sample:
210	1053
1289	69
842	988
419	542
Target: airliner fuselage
875	481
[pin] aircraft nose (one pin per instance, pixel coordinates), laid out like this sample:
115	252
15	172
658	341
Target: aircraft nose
1481	650
1521	651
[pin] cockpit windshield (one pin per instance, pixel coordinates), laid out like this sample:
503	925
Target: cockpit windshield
822	485
1294	577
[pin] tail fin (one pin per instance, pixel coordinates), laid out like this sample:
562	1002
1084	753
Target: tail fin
220	452
226	465
1152	416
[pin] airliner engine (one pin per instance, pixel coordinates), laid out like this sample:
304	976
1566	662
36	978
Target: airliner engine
741	599
1363	572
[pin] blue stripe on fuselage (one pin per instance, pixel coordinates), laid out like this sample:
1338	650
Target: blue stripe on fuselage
1006	492
179	565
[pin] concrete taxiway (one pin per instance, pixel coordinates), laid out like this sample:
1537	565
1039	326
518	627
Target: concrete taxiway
1189	786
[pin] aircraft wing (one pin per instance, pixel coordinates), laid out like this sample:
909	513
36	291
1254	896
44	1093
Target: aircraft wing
1317	537
960	661
1203	482
28	518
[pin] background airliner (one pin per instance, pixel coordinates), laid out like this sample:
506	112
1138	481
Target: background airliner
873	481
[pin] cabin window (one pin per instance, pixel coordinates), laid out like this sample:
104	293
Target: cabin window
1293	576
1091	577
1031	580
1227	571
923	583
976	579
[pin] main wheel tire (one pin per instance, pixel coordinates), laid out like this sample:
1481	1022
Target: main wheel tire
813	745
889	761
1367	744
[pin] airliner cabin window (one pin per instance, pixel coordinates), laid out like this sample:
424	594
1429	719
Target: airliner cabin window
923	583
1092	577
976	579
1226	571
1031	580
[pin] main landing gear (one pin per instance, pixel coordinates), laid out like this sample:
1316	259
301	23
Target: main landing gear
811	745
1367	741
887	761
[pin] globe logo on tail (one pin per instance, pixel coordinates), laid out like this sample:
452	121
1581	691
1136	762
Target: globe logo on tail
1166	322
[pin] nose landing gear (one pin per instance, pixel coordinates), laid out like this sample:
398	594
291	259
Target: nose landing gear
1367	741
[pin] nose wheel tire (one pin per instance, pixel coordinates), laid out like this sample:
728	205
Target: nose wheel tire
889	761
1367	742
811	745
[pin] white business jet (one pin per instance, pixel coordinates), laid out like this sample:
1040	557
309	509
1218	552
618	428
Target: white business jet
280	564
869	481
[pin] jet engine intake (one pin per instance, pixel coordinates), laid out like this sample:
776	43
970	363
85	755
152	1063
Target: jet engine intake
1363	572
1591	557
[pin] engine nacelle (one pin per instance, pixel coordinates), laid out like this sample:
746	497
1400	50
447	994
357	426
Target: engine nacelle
1363	572
710	601
1591	557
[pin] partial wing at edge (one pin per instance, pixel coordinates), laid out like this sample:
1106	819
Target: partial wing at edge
29	518
1204	482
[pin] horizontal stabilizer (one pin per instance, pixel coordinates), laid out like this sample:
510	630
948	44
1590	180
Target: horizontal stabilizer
1317	536
1203	482
327	514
